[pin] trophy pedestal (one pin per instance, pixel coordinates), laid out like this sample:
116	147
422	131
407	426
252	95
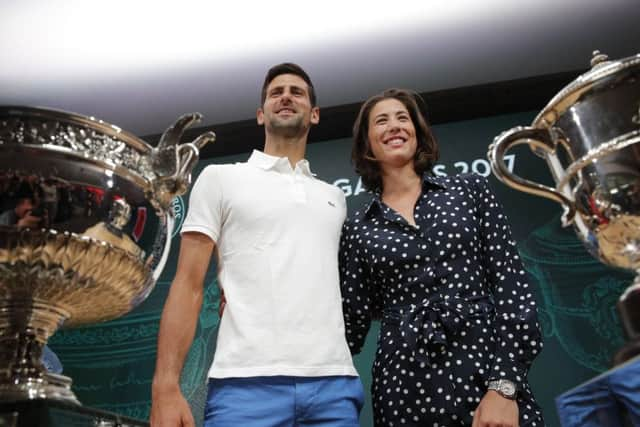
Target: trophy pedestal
22	373
48	386
49	413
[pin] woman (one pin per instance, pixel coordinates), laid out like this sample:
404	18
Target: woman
433	258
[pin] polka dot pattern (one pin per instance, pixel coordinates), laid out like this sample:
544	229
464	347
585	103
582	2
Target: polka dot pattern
455	306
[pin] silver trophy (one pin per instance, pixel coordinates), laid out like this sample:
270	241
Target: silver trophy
85	230
589	136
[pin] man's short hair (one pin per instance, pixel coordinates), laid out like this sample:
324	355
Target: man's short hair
287	68
24	191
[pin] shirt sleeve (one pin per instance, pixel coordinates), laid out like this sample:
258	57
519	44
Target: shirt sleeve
204	213
361	301
520	340
5	218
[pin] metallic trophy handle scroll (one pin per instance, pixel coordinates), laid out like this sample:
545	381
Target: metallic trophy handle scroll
85	230
589	136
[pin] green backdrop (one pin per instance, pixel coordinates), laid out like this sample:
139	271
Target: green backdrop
112	363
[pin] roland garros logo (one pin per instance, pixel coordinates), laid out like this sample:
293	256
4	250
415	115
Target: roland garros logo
178	214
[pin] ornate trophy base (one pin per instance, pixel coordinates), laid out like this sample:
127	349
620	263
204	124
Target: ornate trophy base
46	413
49	386
24	328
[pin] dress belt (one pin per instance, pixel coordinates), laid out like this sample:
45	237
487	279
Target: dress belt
431	326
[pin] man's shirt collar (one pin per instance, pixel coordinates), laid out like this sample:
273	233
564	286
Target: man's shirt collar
279	164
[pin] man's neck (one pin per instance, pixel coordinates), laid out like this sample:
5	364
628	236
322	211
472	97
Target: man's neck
291	148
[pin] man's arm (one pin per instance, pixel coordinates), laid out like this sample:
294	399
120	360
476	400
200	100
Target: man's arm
177	327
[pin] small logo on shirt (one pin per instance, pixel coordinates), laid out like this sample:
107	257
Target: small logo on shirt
331	204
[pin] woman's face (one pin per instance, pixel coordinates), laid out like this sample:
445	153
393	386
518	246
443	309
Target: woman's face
392	135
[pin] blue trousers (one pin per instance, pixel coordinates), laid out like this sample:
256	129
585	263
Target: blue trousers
609	400
282	401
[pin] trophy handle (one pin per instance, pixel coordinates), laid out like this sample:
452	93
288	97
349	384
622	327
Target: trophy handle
187	156
540	141
172	162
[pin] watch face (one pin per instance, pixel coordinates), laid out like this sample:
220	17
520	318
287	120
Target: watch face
508	388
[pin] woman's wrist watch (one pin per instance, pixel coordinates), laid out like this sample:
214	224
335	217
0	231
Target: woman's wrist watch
505	388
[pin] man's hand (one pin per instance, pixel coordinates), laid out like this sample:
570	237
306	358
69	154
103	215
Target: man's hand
28	221
177	328
496	411
169	408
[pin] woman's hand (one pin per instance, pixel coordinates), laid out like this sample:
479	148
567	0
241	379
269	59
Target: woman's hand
496	411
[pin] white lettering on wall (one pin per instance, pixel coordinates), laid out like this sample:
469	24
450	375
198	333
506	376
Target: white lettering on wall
477	166
345	185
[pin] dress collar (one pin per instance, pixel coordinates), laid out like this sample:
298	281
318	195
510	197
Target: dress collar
428	181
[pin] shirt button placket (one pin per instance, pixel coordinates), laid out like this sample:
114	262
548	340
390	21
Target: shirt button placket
298	192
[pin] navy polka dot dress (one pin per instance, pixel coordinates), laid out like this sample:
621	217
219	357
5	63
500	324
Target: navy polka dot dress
453	299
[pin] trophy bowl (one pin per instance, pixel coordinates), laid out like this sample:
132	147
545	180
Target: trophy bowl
85	230
589	136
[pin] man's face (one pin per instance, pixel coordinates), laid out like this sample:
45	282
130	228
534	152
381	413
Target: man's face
287	109
23	207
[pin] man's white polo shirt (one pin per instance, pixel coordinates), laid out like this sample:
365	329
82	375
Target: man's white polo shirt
277	232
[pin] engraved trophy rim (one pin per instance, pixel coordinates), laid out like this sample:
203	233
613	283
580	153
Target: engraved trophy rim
136	170
601	68
75	118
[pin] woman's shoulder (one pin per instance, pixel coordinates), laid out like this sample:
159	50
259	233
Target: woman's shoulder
356	221
470	178
354	218
363	211
447	181
471	181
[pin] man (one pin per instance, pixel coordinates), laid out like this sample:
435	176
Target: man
21	215
281	356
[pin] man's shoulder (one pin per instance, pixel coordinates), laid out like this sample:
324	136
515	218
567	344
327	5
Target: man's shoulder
8	217
325	186
221	170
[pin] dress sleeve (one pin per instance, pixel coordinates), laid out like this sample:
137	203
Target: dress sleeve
519	337
361	300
